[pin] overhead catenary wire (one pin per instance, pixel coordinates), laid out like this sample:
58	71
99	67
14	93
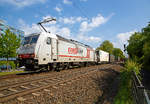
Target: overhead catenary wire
80	9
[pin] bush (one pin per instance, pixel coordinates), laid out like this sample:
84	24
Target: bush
124	95
132	65
11	64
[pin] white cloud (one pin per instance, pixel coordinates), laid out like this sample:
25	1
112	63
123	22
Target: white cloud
34	28
95	22
22	3
122	38
58	9
26	28
67	2
58	28
64	32
84	26
88	38
79	19
71	20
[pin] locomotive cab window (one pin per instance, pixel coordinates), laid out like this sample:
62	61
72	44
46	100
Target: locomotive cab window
32	39
48	41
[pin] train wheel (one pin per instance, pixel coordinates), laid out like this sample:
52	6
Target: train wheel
67	67
50	67
85	64
57	67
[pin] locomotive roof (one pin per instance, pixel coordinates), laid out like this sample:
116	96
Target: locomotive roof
72	41
64	39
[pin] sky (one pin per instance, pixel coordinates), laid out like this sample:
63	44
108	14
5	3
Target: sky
87	21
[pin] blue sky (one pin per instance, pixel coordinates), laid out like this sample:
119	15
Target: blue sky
88	21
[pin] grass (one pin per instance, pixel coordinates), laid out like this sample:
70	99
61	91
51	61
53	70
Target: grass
7	73
124	95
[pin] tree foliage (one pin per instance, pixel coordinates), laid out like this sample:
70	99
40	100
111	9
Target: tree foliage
135	45
139	46
106	46
9	42
118	52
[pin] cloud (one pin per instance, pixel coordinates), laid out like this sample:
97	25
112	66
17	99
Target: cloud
28	29
58	27
71	20
64	32
58	9
67	2
122	38
88	38
94	22
34	28
22	3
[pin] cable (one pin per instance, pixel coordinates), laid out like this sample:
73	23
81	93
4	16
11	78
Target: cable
82	11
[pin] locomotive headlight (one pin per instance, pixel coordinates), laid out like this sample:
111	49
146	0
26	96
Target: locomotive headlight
32	55
19	56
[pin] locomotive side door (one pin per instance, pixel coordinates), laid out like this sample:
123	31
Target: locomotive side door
45	51
54	49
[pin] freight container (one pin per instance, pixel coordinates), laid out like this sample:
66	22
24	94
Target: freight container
111	58
103	56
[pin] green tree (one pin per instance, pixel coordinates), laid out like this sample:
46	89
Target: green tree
139	47
146	46
106	46
135	46
118	52
9	42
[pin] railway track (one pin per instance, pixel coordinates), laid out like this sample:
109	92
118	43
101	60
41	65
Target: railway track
23	88
28	78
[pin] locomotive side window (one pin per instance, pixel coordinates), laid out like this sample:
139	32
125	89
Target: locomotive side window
48	40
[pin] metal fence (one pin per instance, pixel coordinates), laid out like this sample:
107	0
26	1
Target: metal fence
140	94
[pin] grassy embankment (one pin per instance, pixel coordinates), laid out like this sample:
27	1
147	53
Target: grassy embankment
12	72
124	95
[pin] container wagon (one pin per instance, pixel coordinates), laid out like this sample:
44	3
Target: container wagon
102	56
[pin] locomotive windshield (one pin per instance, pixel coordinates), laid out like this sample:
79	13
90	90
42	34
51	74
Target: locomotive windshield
30	39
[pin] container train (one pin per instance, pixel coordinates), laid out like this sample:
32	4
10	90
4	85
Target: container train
45	49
